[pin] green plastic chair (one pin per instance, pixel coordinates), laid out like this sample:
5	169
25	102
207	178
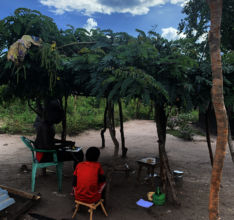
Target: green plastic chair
36	165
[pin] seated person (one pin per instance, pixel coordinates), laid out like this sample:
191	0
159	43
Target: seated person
89	180
45	140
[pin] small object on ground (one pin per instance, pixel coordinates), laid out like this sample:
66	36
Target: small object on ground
150	196
41	217
21	193
5	144
91	206
57	194
51	171
144	203
5	200
159	197
178	175
24	168
149	176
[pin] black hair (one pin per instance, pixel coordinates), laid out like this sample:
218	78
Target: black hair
92	154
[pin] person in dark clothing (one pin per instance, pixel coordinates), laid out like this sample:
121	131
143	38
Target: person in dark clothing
89	179
45	140
37	122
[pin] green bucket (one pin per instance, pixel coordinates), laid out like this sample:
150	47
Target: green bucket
159	198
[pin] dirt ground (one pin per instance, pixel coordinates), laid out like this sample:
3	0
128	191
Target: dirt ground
190	157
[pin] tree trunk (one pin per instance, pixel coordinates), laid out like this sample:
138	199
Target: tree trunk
219	107
75	104
64	121
43	113
231	147
150	110
104	129
207	117
113	119
161	121
124	149
115	157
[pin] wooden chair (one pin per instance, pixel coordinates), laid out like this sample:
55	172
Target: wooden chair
91	207
36	165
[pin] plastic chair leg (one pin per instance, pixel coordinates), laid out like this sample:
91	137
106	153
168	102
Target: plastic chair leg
34	169
60	174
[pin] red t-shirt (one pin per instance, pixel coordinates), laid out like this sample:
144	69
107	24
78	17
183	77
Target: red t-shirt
87	189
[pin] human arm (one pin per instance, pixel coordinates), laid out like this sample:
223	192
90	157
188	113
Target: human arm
67	143
101	178
74	181
45	138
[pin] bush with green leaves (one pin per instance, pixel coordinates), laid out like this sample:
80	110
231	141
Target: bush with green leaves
188	117
173	122
188	131
18	118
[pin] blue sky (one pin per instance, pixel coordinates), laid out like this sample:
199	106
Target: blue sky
118	15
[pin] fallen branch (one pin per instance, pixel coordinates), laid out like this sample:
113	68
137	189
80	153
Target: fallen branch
20	193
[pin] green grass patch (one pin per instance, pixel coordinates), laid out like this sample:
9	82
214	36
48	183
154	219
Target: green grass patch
176	133
18	118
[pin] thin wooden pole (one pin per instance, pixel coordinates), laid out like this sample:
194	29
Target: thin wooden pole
75	104
207	114
115	157
104	125
230	144
124	149
64	121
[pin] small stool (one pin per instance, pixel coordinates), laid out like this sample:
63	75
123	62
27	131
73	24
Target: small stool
150	166
91	206
124	168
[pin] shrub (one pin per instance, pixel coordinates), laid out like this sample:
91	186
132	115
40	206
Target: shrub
189	117
188	131
173	122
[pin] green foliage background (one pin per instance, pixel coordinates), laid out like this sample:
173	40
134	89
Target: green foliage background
18	118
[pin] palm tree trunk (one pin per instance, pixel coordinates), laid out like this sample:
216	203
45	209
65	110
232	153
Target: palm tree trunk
219	107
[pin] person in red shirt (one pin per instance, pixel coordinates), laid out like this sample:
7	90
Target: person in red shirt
89	178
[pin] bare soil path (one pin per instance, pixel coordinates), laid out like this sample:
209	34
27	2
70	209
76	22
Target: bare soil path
141	140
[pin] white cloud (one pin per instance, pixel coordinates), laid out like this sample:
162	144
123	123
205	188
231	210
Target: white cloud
91	24
184	3
171	33
89	7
